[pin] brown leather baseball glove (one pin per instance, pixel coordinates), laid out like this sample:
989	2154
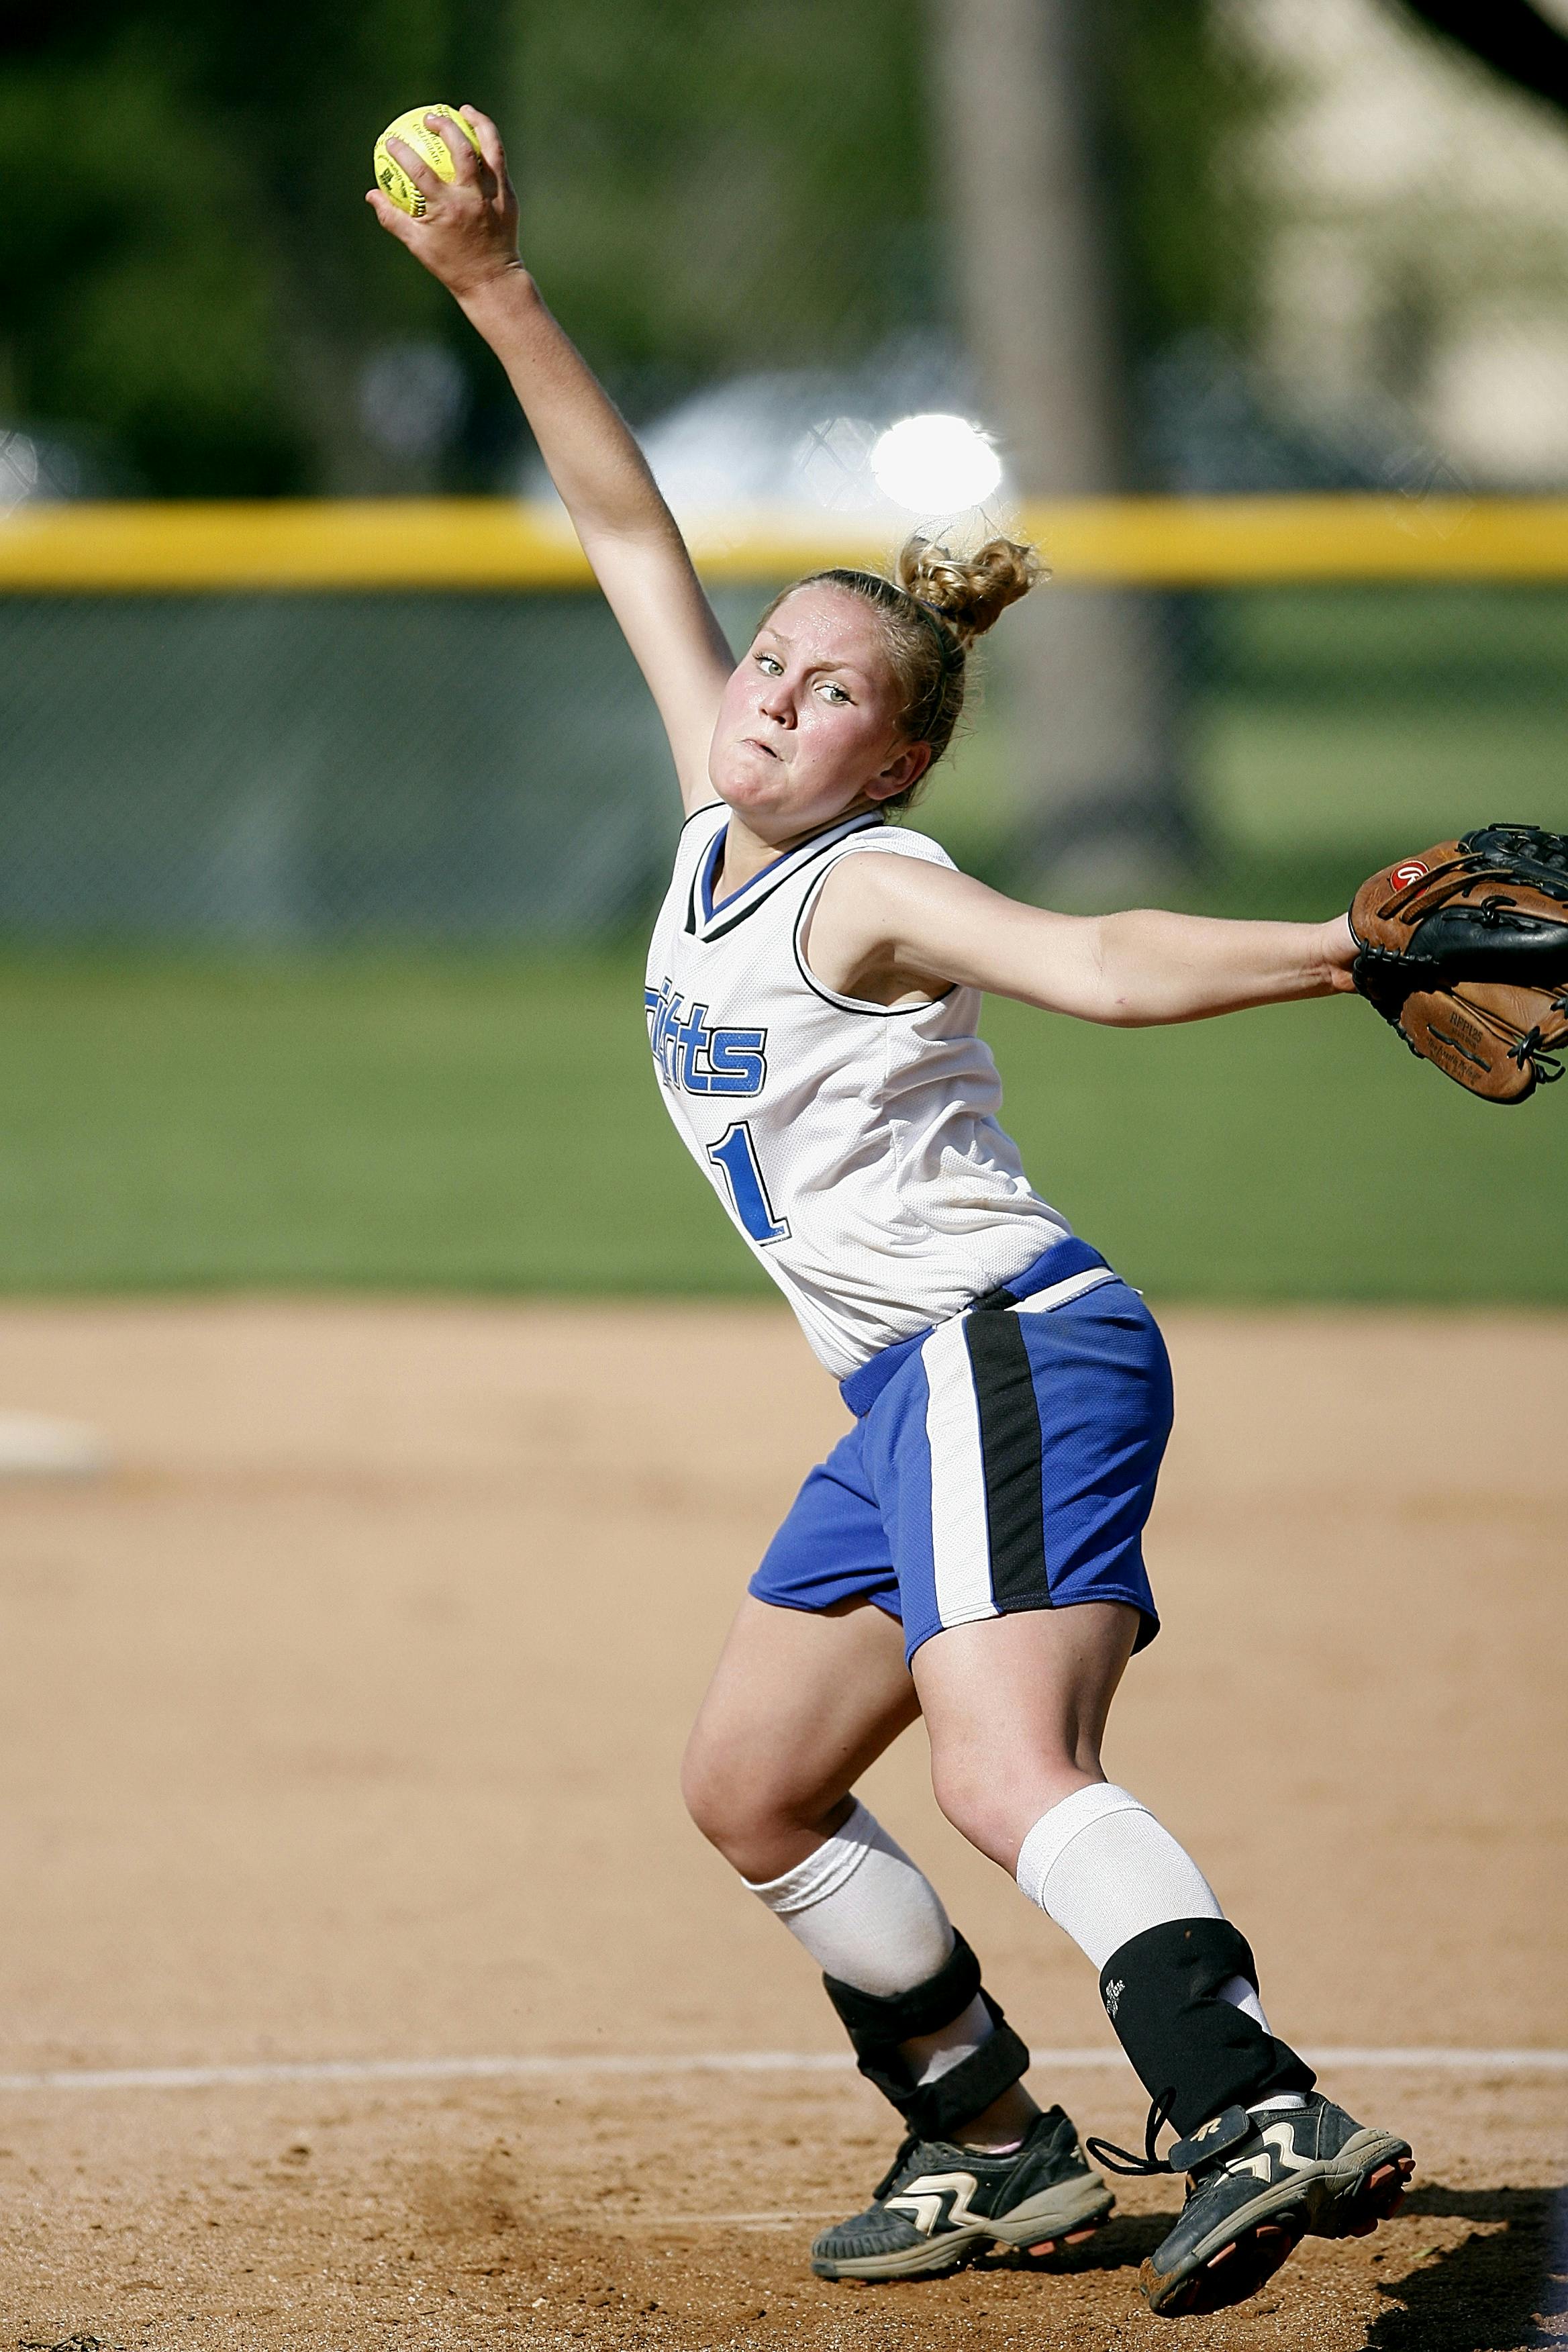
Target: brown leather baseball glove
1465	950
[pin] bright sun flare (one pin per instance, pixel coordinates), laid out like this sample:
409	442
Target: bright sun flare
935	464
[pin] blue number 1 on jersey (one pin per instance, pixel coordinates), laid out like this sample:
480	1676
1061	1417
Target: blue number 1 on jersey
736	1154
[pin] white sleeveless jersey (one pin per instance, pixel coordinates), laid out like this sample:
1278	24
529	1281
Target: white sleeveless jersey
857	1149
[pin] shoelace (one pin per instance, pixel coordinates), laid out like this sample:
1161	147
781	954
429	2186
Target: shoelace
1121	2159
906	2146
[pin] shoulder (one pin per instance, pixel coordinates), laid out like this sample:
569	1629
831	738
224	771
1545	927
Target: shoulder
875	928
887	866
894	841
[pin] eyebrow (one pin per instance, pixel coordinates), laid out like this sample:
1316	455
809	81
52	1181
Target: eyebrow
769	631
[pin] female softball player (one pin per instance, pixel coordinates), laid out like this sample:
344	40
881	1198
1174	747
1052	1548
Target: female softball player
971	1551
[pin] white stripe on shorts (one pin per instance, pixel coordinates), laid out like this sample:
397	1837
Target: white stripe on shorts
1059	1292
960	1531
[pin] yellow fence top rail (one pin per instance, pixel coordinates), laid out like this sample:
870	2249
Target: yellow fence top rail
402	545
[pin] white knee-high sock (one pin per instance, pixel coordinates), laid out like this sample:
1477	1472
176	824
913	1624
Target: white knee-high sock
865	1912
871	1918
1105	1870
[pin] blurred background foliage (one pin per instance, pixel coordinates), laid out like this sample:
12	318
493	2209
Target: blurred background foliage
197	286
1176	93
1337	241
193	297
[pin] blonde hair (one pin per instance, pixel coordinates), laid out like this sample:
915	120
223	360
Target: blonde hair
931	611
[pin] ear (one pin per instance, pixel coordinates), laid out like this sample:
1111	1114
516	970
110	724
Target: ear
902	773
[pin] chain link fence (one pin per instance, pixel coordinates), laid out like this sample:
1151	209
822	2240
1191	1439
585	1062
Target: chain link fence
294	767
281	768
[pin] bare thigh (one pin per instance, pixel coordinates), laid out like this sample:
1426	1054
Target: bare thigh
1015	1709
800	1704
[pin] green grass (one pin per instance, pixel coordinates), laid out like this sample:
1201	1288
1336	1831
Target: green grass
492	1125
1351	716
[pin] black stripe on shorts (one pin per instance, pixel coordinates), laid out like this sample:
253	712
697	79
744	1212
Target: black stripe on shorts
1012	1453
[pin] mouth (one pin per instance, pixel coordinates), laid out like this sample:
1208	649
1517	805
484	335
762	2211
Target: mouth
755	743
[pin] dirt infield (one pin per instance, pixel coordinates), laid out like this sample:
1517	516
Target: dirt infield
340	1721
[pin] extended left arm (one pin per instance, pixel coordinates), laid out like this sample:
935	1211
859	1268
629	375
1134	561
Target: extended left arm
886	927
1148	965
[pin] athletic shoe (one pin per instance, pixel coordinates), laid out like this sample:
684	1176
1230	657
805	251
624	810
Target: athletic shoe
939	2204
1257	2186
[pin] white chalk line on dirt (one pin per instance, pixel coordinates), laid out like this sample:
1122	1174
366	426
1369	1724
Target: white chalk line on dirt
671	2224
599	2066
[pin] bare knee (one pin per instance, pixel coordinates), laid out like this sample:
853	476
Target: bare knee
760	1820
996	1808
719	1799
1016	1707
968	1796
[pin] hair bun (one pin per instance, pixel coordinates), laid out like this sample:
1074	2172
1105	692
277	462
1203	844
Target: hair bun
970	592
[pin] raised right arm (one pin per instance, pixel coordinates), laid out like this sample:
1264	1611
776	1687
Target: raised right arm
468	239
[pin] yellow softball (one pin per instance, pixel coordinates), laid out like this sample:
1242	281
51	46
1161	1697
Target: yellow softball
429	145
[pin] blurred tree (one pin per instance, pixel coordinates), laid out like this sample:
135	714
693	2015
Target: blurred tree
1088	221
1094	751
709	186
714	187
1170	98
126	305
195	277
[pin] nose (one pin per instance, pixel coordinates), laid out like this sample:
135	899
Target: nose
777	702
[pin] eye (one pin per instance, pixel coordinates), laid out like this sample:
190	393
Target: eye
770	665
832	692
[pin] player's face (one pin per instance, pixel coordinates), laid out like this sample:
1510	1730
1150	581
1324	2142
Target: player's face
809	727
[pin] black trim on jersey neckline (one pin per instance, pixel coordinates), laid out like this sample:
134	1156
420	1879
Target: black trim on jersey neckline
707	866
785	869
854	1003
709	859
706	810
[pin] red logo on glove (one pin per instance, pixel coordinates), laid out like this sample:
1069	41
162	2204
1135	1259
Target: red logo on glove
1411	871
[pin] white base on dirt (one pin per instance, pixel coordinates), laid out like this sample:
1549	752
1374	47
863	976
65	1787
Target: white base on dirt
34	1445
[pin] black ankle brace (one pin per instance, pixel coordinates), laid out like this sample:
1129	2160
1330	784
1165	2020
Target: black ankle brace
877	2027
1161	1991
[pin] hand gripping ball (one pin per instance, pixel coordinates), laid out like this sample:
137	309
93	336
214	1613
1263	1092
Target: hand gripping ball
429	145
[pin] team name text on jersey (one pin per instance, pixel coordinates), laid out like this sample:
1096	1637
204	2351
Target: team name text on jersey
690	1056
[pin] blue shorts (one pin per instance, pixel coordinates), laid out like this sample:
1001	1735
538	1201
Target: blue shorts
1003	1461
